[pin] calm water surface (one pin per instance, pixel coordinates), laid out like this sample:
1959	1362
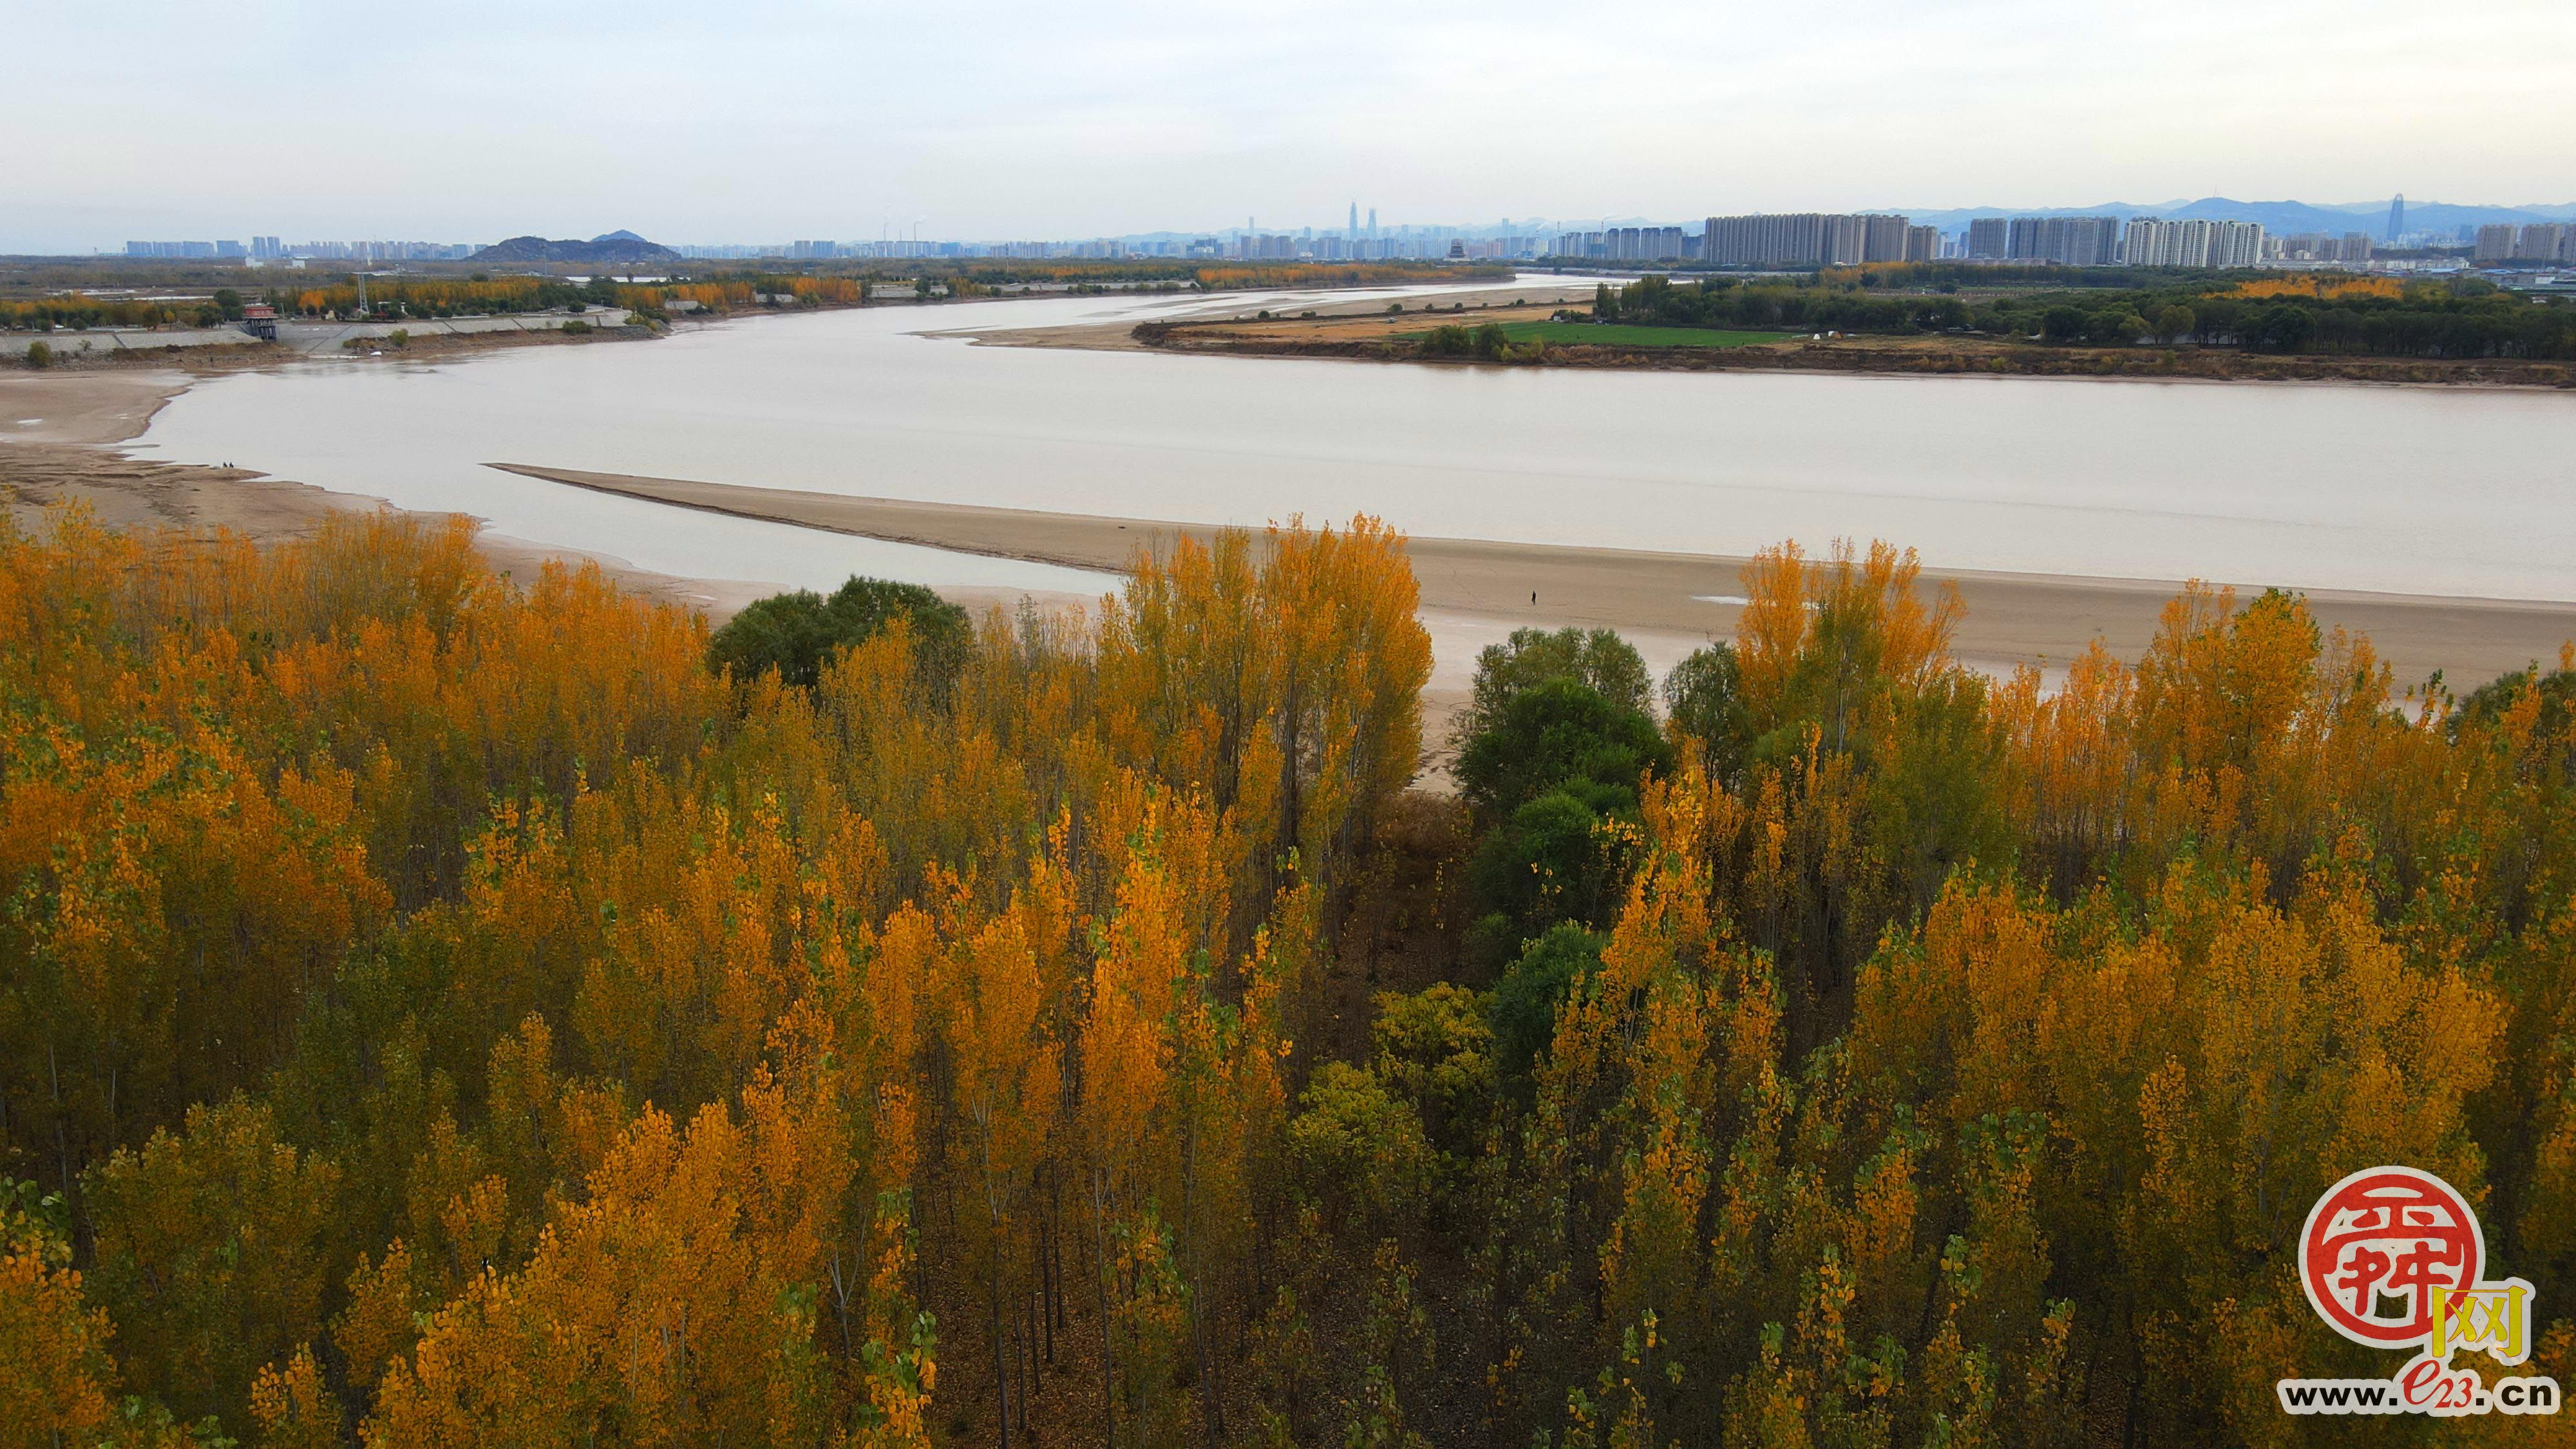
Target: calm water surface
2409	490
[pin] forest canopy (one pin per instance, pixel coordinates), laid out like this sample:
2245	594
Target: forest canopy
438	1010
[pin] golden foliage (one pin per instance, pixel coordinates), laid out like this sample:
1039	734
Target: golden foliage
456	1015
2336	288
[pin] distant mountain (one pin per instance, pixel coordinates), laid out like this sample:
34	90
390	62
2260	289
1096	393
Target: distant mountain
2285	218
2437	216
2293	216
1957	218
618	248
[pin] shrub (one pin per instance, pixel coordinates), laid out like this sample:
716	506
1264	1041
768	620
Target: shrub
575	327
1435	1050
1449	341
39	355
1360	1149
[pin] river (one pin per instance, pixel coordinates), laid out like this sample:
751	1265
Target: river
2329	486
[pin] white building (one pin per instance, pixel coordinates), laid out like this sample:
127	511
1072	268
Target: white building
2148	242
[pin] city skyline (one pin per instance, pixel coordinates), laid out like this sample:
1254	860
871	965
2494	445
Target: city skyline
806	118
2076	236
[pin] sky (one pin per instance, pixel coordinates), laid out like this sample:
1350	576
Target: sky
763	120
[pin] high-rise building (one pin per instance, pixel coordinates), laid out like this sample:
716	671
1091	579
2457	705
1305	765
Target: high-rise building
1802	239
1372	223
1989	238
2543	242
2072	241
2396	218
1355	219
1883	238
1922	244
2495	244
1644	244
1789	239
2148	242
1846	240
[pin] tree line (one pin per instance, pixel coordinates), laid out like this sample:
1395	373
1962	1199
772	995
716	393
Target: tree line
442	1009
2470	318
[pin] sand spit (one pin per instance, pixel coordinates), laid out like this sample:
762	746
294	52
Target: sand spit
2012	619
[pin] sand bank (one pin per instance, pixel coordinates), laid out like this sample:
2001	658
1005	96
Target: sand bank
2012	619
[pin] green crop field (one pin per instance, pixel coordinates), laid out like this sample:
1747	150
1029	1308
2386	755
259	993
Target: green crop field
1572	334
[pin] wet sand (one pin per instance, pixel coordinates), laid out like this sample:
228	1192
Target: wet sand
2012	619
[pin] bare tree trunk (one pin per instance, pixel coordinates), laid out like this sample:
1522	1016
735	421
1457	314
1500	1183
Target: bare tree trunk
1108	1336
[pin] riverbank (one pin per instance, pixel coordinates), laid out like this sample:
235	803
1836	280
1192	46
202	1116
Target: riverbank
59	433
1394	338
1352	319
432	340
1671	600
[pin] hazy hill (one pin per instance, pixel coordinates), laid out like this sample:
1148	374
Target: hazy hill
617	248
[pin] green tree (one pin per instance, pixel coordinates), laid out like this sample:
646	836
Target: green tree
1551	780
2175	322
798	633
2287	327
1596	658
1563	730
1525	1001
2115	326
1704	700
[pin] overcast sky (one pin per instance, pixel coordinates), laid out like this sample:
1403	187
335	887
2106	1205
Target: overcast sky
771	119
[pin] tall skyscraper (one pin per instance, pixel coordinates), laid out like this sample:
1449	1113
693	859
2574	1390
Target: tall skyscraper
2397	217
1372	222
1355	218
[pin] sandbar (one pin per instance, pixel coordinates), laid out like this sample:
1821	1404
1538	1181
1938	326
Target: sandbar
2044	620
